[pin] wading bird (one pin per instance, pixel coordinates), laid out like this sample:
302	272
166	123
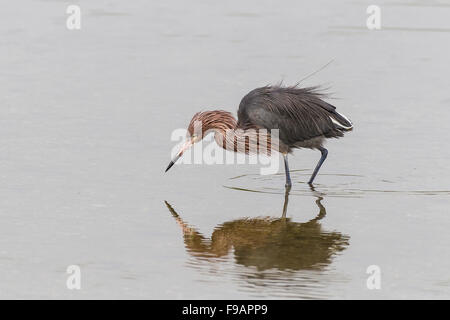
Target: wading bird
302	117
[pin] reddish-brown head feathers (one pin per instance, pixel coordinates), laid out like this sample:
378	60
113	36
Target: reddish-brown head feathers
211	120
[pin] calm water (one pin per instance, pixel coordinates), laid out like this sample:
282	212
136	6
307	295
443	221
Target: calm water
85	123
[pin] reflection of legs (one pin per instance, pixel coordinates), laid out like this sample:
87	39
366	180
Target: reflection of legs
322	211
286	169
286	200
319	164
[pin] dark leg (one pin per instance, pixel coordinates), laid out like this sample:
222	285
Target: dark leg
319	164
286	169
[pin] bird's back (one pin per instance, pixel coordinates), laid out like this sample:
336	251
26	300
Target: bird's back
301	116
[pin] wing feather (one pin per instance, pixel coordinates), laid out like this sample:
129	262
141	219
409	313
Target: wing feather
300	114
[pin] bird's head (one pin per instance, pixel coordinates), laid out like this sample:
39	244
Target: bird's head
201	124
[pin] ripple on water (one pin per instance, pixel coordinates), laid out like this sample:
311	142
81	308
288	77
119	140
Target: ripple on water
337	185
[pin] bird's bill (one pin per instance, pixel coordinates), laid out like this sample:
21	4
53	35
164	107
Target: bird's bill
184	147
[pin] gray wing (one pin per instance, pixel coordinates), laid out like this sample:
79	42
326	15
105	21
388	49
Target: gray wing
298	113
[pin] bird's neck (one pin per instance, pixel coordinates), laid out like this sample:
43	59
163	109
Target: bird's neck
222	125
228	136
249	141
225	131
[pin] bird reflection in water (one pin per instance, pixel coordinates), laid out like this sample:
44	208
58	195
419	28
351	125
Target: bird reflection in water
268	242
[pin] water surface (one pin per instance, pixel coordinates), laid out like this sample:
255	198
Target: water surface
85	123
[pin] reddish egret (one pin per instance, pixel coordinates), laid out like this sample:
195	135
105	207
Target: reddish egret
303	119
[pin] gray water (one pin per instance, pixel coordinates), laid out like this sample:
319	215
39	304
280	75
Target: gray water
86	118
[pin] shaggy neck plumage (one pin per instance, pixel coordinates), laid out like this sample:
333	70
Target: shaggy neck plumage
227	134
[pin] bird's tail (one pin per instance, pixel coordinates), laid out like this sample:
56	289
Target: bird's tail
341	121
